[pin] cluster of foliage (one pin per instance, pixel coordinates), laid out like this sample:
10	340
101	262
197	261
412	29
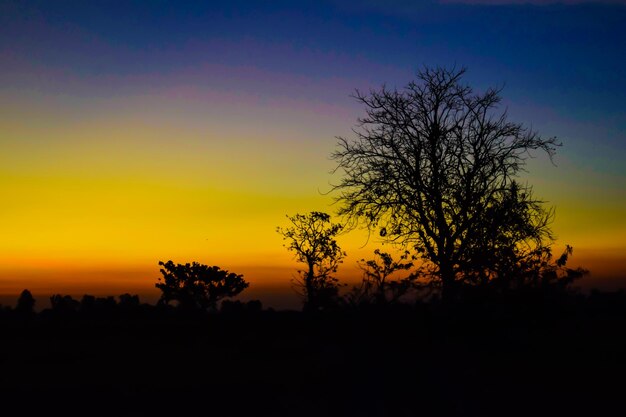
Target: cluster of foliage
381	285
196	286
25	303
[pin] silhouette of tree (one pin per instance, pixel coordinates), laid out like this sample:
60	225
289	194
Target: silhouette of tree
87	304
540	271
64	304
380	285
128	301
25	303
312	238
433	168
197	286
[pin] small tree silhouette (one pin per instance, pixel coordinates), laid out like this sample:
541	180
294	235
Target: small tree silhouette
539	270
64	304
380	285
197	286
312	237
128	301
25	303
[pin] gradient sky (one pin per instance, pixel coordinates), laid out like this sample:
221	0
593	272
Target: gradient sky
133	132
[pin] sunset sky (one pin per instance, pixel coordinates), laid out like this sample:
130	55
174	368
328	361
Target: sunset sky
133	132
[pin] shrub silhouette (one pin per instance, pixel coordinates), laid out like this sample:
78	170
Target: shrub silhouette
90	304
196	286
25	303
64	304
87	303
381	284
129	302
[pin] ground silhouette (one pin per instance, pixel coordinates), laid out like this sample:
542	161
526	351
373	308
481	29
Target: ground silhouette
531	352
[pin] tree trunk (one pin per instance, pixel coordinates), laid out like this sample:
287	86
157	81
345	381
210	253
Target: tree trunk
310	299
448	283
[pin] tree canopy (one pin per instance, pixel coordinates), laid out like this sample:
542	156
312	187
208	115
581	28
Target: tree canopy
197	286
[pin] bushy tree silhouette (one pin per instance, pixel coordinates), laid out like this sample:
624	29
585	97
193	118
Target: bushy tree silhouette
128	301
433	168
197	286
90	304
381	285
312	238
25	303
64	304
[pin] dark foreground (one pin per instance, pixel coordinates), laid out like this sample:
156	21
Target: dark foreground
516	358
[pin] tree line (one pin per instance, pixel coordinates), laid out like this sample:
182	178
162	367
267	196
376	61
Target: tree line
433	170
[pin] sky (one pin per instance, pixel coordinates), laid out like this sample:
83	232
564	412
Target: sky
134	132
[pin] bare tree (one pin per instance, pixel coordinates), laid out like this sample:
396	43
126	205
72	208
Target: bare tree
433	167
312	238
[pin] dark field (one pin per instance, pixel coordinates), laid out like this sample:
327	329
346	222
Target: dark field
534	356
